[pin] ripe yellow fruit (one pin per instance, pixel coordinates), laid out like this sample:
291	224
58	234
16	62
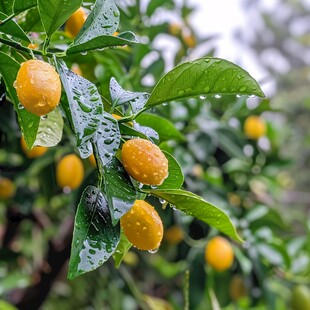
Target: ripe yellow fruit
70	171
237	287
7	188
254	127
33	46
189	40
38	87
144	161
174	234
92	160
142	226
36	151
75	22
219	253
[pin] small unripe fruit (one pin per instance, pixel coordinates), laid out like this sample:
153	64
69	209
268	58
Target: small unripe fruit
7	188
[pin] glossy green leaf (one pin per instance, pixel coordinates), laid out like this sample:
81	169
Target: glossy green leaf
196	206
55	12
50	129
6	6
94	237
28	122
22	5
13	29
204	76
130	132
162	126
107	138
32	21
103	41
118	188
121	250
84	103
175	178
103	20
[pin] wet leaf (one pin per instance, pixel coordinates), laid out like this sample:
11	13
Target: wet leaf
149	132
13	29
196	206
85	105
204	76
94	238
119	190
54	13
102	42
28	122
120	96
6	6
162	126
22	5
107	138
50	129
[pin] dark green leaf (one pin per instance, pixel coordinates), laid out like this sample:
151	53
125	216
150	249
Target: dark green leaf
102	21
121	250
175	178
94	238
205	76
130	132
107	138
32	21
84	102
119	190
101	42
162	126
22	5
196	206
50	129
11	28
29	122
6	6
55	12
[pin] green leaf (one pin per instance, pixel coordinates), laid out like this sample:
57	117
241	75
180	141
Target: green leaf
175	178
50	129
11	28
6	306
103	20
162	126
28	122
196	206
121	250
6	6
102	42
204	76
130	132
94	237
107	138
84	103
55	12
22	5
118	188
32	21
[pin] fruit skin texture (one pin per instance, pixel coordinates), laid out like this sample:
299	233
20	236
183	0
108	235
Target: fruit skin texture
254	127
144	161
70	171
75	22
38	87
7	188
143	226
36	151
300	298
219	253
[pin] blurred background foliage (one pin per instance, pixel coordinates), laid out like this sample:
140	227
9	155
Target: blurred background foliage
262	184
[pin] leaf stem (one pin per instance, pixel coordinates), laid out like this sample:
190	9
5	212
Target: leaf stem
131	117
7	19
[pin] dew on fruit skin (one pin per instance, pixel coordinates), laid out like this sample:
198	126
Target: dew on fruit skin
20	106
153	186
243	88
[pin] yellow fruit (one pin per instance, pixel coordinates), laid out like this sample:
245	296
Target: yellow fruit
75	22
76	69
219	253
38	87
7	188
36	151
174	234
174	29
254	127
92	160
33	46
70	171
300	298
143	226
116	116
237	288
189	40
144	161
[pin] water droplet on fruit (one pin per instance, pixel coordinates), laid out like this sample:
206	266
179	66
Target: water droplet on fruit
153	251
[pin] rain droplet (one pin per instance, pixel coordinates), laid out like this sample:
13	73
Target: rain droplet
202	97
217	96
243	88
153	186
162	201
83	53
153	251
206	89
44	117
15	84
20	106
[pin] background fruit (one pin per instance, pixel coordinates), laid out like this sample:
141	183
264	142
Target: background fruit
174	234
36	151
75	22
219	253
7	188
38	87
254	127
144	161
143	226
70	171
